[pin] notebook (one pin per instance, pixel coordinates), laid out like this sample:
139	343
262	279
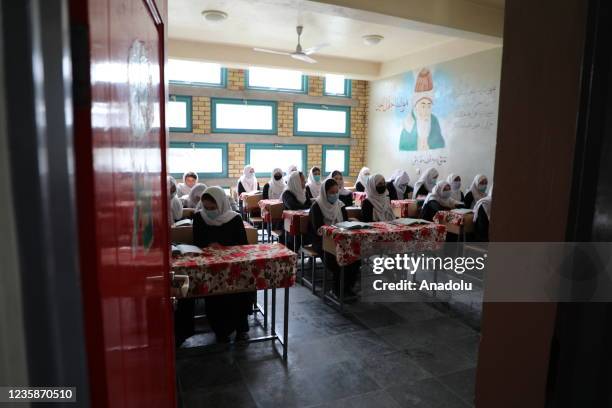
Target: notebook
410	221
183	223
462	210
184	249
353	225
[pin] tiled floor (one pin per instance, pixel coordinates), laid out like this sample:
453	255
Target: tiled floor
373	355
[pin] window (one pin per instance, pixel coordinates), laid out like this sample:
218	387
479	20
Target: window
321	120
276	79
336	158
206	159
266	157
196	73
336	85
179	113
243	116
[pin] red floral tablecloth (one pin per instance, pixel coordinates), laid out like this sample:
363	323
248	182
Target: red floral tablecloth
404	206
294	217
349	242
264	205
358	197
449	217
238	268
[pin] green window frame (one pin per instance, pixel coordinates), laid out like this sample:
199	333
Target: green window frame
347	109
347	155
204	145
189	109
348	85
304	89
228	101
268	146
223	83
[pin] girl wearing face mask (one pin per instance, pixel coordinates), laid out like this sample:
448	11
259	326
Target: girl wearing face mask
425	183
313	186
274	188
478	190
175	209
398	186
377	206
294	196
247	183
439	199
217	223
362	179
482	216
327	209
346	196
455	182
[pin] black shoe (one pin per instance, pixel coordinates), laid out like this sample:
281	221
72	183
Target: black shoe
223	339
241	337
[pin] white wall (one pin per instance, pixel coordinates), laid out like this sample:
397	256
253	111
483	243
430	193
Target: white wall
466	97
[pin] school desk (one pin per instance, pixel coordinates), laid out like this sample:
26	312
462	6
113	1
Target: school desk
405	208
271	212
455	222
182	234
353	212
251	232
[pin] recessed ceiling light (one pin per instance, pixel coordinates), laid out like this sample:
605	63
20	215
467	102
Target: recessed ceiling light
214	16
372	39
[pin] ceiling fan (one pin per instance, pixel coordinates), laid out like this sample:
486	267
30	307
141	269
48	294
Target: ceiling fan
299	53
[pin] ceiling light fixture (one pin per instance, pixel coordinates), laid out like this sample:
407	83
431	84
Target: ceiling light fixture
372	39
214	16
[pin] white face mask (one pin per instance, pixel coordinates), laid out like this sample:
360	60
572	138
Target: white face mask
456	185
445	194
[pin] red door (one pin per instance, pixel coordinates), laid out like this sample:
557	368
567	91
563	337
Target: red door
120	143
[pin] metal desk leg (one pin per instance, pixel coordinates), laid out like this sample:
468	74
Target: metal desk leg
286	324
273	324
265	309
324	293
302	269
341	288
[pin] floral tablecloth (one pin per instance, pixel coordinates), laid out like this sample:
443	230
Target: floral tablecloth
348	243
449	217
238	268
264	206
295	220
404	206
358	197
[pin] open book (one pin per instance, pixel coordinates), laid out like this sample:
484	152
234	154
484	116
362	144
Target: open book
462	210
353	225
410	221
184	249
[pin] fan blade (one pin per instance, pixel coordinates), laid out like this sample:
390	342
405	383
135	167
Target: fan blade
271	51
304	57
314	49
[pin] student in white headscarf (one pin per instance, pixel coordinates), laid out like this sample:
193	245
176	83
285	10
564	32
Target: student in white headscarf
175	207
377	205
482	217
455	182
346	196
439	199
399	187
294	196
193	200
362	179
478	190
426	182
216	223
313	185
327	209
290	169
247	183
273	189
189	180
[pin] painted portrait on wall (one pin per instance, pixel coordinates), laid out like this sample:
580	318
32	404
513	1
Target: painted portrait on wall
421	129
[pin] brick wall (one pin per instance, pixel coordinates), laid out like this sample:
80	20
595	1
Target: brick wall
236	151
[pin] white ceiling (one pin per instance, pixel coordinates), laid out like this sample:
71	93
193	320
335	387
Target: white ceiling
271	24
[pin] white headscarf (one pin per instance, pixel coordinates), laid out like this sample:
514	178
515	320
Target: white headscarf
225	211
276	186
248	179
343	191
380	202
182	188
195	195
290	170
394	174
332	213
313	185
400	182
455	194
474	189
436	195
175	212
295	186
426	179
361	177
485	203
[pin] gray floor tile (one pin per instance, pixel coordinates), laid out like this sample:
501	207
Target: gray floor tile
376	399
427	393
233	395
439	359
461	383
